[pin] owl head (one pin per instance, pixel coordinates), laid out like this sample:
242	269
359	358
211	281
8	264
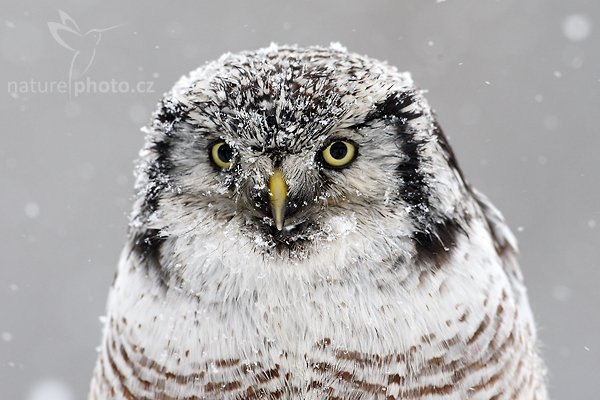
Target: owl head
290	152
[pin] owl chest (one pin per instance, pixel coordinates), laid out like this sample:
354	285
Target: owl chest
384	315
377	333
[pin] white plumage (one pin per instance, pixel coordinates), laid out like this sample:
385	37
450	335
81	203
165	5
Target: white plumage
385	276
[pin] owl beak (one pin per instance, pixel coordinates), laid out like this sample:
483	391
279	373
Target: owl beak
278	197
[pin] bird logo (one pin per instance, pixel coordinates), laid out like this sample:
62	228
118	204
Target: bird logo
83	45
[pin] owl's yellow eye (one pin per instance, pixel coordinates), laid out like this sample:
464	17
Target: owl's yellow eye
339	154
221	154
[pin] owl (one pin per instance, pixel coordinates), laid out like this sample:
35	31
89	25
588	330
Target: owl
302	230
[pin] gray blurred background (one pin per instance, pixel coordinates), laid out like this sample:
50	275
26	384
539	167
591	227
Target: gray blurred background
516	85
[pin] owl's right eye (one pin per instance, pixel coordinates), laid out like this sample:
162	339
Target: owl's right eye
221	155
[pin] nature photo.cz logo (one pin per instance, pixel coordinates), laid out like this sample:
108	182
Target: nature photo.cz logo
83	46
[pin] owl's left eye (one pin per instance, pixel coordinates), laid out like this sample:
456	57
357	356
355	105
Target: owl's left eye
339	154
221	154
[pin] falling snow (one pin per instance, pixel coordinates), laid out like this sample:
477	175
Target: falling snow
550	122
542	160
50	389
576	27
561	293
32	210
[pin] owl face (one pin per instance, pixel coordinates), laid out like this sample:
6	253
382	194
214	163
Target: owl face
292	147
290	194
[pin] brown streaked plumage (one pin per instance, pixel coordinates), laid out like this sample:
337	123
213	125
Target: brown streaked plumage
385	276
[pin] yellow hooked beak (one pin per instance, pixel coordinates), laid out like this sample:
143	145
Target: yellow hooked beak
278	197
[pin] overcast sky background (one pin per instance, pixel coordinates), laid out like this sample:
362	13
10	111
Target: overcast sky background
515	83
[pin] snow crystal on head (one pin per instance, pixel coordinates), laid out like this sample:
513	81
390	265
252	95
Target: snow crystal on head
303	89
337	46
